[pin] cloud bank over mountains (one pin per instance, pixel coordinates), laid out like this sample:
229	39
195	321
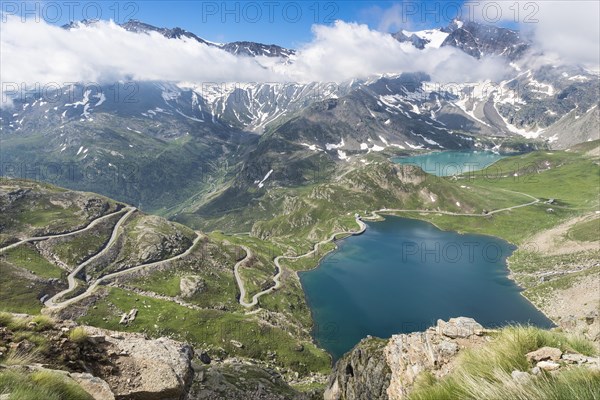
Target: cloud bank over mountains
37	52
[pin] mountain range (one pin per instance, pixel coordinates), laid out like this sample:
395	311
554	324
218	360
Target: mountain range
154	233
141	140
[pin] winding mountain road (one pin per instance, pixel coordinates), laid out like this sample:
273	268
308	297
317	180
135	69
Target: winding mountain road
60	235
387	210
52	304
362	227
71	277
276	278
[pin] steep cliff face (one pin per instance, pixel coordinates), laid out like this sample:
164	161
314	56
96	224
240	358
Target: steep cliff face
361	374
379	369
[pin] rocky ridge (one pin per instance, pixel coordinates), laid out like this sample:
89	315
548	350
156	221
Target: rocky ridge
120	365
390	369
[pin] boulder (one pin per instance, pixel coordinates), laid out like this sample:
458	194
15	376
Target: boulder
574	358
96	387
148	369
191	285
461	327
548	365
447	348
520	376
543	354
591	317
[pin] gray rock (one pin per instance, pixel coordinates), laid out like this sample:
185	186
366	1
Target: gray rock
98	388
461	327
520	376
149	369
363	373
543	354
191	285
205	358
447	348
574	358
548	365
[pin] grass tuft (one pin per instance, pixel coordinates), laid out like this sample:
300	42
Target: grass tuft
42	323
485	373
78	335
45	385
6	319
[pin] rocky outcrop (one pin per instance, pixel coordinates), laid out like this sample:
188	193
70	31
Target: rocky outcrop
243	381
544	354
379	369
361	374
113	365
191	285
147	369
98	388
460	327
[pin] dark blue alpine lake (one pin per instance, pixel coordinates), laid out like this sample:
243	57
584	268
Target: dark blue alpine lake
401	275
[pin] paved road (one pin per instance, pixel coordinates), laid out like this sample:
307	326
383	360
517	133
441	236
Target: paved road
362	227
39	238
95	284
238	278
535	201
71	278
276	278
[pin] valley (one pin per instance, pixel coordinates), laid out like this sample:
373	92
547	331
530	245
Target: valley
380	213
136	266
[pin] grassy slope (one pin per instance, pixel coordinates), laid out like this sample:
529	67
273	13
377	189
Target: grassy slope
315	211
212	329
587	231
569	178
43	209
212	261
485	373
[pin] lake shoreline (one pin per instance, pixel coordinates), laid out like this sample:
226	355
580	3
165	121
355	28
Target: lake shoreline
516	313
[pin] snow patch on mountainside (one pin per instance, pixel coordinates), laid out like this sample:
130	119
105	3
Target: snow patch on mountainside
262	183
332	146
434	37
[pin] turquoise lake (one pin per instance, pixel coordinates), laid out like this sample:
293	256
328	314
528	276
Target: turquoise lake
448	163
401	275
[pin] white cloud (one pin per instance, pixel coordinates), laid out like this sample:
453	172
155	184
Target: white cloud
565	31
38	52
349	50
570	31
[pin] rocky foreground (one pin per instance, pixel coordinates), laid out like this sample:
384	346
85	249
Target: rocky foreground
117	365
379	369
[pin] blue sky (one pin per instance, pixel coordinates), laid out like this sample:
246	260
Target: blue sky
286	23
